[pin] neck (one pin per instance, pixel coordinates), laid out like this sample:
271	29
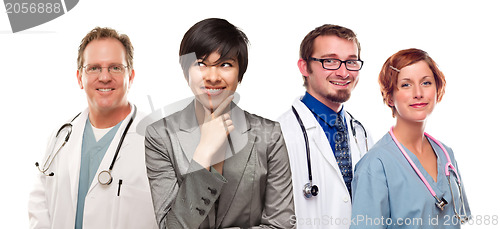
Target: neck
108	118
410	134
335	106
201	111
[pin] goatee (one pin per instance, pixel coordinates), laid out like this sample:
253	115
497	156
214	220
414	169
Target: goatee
341	97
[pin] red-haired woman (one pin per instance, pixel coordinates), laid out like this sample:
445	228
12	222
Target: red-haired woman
409	179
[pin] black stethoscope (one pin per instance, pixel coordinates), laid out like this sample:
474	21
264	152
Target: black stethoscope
104	176
311	189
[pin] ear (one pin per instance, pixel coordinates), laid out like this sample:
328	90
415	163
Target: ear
302	64
131	78
390	101
79	78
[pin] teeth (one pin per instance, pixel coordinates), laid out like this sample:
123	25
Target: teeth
341	84
104	89
213	90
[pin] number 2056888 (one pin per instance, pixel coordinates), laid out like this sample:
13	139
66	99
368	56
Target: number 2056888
33	8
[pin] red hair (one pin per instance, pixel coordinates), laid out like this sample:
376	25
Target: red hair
388	76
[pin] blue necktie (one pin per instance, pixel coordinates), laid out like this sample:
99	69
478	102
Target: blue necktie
342	152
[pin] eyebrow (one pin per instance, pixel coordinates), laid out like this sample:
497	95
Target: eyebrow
333	55
408	79
111	64
227	59
219	60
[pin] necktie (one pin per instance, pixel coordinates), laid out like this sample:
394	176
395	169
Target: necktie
342	152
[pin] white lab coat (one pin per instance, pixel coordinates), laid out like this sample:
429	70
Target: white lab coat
331	208
53	201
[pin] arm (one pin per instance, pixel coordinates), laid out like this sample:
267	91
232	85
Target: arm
278	206
38	210
370	201
178	203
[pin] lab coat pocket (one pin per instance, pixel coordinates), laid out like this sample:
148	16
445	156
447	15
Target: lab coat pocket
132	206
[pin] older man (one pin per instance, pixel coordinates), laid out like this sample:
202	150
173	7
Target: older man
93	174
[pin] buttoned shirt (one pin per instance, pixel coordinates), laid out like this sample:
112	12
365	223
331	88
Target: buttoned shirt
325	116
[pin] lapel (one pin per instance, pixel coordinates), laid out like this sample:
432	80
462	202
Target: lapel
317	136
188	130
110	153
354	147
73	155
243	140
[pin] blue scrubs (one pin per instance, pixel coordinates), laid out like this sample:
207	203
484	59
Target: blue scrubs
92	154
388	193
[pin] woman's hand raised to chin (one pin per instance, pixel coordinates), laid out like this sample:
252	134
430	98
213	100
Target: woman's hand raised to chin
214	131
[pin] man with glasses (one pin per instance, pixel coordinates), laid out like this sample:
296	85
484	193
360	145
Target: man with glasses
93	174
324	141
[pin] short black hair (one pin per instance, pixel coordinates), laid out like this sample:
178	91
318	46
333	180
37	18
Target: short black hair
214	35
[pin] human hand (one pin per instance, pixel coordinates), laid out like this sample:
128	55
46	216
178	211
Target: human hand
214	131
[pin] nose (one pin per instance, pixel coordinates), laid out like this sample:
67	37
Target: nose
342	72
418	92
104	75
211	75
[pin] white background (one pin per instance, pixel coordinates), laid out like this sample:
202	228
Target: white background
39	90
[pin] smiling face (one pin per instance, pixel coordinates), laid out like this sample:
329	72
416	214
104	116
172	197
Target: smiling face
415	95
105	91
330	87
213	80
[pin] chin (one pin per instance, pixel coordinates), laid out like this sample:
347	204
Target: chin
212	102
341	96
106	104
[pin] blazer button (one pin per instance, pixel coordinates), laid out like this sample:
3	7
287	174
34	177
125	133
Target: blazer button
346	199
201	211
206	201
213	191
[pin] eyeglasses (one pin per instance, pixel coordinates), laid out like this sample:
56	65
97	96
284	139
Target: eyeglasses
114	69
334	64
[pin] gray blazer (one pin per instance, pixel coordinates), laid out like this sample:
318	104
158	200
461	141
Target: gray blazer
255	189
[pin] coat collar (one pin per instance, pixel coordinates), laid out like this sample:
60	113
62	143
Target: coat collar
74	148
189	129
321	111
316	135
110	153
73	154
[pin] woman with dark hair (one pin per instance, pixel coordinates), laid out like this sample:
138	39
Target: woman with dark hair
409	179
213	165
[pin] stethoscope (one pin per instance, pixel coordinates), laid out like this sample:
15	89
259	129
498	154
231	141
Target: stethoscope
311	189
104	176
440	203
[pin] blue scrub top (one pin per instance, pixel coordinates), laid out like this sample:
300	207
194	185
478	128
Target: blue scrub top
388	193
92	154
